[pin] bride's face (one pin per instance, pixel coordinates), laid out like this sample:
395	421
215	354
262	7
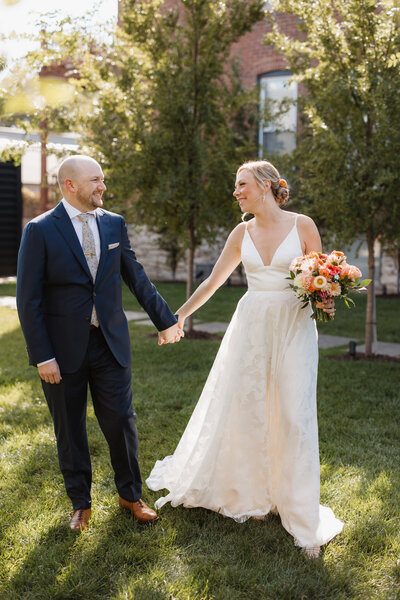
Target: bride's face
247	191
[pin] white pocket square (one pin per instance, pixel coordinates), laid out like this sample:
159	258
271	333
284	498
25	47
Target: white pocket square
111	246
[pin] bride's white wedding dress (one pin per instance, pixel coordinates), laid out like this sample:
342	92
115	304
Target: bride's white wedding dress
251	445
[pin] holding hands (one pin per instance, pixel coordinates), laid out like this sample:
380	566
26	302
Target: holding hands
171	335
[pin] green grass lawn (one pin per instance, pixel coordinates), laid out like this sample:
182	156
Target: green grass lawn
195	554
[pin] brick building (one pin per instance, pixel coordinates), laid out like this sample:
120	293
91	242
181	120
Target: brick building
261	65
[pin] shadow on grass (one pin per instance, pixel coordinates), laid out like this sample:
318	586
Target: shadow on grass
195	553
251	560
92	564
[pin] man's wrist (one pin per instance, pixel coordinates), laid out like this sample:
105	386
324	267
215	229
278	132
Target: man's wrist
45	362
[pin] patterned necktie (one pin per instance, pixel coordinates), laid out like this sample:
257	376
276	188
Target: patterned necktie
89	250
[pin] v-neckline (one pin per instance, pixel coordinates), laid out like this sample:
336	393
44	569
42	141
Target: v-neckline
277	248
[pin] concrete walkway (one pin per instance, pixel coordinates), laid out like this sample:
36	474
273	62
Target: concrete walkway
8	302
324	341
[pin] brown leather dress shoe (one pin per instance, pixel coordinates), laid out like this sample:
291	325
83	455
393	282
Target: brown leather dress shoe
141	512
80	519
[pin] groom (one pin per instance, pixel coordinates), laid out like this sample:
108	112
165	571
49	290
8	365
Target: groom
69	299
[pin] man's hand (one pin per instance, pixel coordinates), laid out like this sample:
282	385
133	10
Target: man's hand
50	372
171	335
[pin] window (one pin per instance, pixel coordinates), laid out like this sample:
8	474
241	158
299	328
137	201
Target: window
278	135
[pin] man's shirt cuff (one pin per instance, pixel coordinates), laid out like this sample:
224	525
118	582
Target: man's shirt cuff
45	362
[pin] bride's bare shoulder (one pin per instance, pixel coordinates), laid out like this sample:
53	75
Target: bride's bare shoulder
236	235
305	222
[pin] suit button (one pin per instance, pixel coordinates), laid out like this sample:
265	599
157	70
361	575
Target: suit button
87	318
94	293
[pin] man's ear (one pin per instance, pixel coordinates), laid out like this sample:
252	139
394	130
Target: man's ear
68	184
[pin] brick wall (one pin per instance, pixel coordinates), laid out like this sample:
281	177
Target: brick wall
257	58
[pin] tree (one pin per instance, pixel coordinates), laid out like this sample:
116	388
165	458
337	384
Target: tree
41	94
173	118
347	157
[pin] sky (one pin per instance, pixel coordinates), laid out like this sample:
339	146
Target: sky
20	16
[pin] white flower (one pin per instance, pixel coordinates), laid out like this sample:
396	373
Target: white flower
299	282
320	282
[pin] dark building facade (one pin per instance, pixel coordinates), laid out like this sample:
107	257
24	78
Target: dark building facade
10	217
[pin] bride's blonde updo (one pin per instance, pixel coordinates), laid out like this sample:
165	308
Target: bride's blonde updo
263	170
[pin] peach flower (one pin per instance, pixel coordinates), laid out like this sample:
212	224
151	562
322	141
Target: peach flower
354	272
344	269
334	289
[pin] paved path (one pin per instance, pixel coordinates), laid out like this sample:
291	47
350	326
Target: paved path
384	348
324	341
8	301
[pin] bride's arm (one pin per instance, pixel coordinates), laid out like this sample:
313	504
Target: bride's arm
311	241
227	262
309	235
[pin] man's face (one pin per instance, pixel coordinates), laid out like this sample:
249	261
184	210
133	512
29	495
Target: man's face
90	186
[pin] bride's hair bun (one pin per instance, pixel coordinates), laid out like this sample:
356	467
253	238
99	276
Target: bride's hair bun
280	190
263	170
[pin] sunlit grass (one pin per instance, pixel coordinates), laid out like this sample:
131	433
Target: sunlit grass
195	554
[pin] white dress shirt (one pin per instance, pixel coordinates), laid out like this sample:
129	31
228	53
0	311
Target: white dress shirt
73	214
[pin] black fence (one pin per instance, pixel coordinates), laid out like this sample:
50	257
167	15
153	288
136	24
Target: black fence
10	217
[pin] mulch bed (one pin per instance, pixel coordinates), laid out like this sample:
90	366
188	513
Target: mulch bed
362	356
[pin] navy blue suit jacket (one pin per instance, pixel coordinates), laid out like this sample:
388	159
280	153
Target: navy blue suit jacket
55	290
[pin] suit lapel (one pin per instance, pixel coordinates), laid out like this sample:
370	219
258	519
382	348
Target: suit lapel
66	229
102	224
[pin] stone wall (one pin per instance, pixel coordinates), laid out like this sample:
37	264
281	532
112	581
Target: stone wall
389	279
154	260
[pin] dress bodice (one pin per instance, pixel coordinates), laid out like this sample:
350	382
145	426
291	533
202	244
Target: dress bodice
270	277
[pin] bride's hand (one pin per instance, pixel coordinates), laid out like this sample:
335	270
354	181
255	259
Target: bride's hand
181	323
328	306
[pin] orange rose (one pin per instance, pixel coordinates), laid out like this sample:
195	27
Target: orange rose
325	272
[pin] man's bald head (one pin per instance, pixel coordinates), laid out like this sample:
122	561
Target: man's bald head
81	181
73	167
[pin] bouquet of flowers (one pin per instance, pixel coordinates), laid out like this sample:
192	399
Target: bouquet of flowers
319	279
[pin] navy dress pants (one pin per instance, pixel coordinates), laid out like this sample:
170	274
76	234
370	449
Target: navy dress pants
110	387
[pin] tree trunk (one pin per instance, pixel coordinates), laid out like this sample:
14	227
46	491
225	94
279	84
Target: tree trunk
370	324
44	188
190	274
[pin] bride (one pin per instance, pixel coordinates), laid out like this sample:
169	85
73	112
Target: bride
251	444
